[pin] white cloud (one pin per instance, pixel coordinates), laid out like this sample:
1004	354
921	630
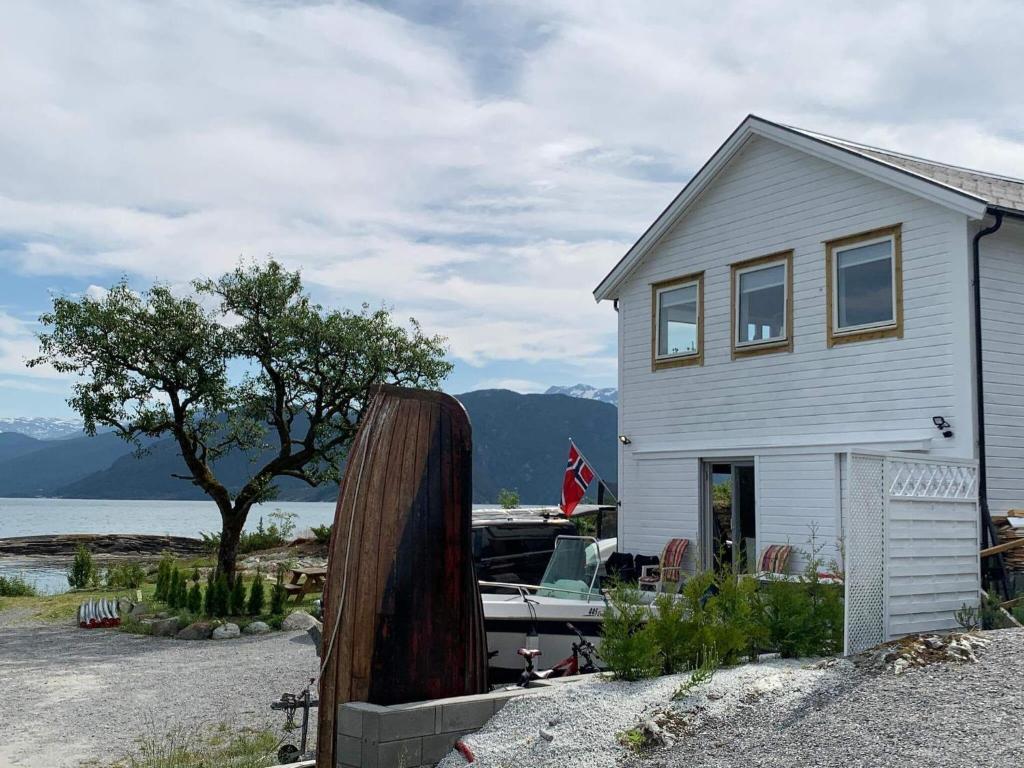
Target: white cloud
396	163
18	344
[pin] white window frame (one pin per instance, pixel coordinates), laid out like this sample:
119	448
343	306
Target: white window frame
782	261
881	325
695	282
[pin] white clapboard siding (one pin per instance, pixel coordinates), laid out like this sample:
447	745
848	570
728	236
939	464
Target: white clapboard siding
1002	310
773	198
795	495
663	502
932	564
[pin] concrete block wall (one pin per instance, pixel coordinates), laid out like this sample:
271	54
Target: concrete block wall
415	735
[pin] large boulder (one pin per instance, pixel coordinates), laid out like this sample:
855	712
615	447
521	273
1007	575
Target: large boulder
298	621
226	632
163	627
138	609
256	628
200	630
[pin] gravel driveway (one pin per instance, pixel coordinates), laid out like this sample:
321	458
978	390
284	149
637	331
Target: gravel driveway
780	714
69	694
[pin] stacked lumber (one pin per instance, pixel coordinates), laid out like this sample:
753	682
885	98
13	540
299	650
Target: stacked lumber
1013	556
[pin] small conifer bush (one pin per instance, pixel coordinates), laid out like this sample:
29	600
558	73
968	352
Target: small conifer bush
82	570
195	599
237	599
256	595
278	595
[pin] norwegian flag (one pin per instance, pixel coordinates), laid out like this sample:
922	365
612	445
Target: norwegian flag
578	476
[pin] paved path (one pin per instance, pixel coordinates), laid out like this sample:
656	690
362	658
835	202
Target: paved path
69	695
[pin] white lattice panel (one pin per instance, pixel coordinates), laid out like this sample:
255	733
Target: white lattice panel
932	480
864	540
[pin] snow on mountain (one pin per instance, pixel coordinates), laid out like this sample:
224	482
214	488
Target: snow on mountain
587	392
42	427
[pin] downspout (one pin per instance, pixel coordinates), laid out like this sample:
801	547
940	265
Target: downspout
986	517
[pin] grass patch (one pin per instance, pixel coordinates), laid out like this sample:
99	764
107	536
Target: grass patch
182	747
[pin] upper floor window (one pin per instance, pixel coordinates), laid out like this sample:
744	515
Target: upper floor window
762	316
864	274
677	321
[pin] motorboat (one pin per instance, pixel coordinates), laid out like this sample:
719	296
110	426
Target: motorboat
538	616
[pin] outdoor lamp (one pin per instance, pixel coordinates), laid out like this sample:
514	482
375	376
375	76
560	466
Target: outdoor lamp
942	425
624	440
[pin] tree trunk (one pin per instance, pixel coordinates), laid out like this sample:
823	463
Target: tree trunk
230	534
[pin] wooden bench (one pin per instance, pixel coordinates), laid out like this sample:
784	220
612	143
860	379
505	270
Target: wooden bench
301	581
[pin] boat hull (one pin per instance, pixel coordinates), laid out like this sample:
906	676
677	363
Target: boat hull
402	614
510	621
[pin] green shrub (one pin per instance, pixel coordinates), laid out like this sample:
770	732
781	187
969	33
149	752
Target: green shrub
322	533
16	586
278	595
256	595
195	598
237	597
508	498
182	599
221	596
210	598
163	577
804	617
174	589
82	571
124	576
628	647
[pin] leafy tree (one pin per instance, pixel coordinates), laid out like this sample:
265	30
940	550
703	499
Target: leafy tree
156	364
256	595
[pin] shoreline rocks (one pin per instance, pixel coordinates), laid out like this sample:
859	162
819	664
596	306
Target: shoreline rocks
100	545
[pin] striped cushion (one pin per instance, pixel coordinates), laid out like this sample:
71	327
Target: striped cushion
672	559
775	558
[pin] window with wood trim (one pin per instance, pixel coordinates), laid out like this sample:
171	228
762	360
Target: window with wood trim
864	273
677	322
762	305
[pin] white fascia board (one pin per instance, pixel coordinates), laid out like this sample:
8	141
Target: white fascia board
941	194
801	444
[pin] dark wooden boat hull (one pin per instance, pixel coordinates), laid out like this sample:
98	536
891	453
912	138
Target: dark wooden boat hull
402	614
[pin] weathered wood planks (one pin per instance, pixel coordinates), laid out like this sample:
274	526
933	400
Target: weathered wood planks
402	614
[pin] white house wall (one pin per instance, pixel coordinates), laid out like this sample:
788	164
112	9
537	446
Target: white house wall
797	501
772	198
668	493
1002	310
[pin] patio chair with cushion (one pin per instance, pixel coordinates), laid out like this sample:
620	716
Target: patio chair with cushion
620	566
774	559
669	569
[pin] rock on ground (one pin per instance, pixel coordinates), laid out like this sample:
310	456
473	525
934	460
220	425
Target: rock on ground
256	628
199	630
71	695
227	631
298	621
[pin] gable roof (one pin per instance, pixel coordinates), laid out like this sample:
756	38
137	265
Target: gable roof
966	191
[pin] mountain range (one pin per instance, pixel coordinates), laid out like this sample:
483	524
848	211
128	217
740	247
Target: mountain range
587	392
519	442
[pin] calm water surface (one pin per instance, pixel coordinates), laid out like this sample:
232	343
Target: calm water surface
36	517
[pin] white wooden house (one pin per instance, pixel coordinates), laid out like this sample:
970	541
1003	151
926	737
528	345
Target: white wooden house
802	300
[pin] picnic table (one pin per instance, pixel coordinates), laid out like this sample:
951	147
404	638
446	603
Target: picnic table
301	581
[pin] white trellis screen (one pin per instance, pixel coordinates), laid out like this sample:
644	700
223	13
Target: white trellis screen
910	530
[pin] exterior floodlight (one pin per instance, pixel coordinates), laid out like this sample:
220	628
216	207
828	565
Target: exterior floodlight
624	440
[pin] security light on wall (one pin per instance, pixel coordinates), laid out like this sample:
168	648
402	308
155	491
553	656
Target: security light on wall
942	425
624	440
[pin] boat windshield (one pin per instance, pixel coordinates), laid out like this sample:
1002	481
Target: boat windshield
572	569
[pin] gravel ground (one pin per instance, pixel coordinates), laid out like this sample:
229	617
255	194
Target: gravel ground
780	713
69	695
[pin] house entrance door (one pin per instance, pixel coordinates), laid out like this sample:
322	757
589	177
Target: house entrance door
729	515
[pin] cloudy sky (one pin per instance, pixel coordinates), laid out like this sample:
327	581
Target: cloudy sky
478	166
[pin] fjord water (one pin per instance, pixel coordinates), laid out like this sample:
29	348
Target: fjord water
39	517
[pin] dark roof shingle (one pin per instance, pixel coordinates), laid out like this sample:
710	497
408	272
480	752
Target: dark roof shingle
997	191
